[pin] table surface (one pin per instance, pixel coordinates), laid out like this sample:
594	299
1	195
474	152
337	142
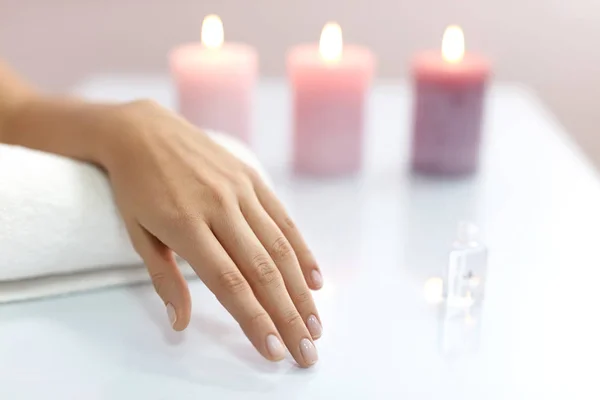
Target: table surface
378	237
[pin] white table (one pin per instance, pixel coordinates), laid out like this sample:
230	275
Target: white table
378	238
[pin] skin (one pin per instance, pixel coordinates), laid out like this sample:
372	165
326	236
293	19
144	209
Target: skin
180	193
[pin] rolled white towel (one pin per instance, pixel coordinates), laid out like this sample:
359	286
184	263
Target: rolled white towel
60	231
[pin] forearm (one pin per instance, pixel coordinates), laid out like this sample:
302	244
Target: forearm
13	90
67	127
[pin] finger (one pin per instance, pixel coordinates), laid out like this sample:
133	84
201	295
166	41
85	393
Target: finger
166	277
216	269
283	255
266	281
277	212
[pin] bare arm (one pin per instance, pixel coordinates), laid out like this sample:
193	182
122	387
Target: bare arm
64	126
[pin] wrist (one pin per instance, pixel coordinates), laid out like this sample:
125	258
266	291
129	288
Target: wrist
126	128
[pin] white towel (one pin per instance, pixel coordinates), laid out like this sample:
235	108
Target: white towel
60	231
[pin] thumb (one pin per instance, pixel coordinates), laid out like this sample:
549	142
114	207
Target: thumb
166	277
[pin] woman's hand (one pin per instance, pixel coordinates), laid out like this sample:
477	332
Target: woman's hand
178	191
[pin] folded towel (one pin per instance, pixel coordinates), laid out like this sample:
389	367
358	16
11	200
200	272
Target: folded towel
60	231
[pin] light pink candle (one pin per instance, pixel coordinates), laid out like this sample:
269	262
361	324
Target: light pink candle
329	84
450	89
215	81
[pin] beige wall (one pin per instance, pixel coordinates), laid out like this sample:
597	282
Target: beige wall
551	45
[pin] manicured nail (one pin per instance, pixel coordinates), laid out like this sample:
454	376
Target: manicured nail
172	314
308	351
317	278
314	327
275	347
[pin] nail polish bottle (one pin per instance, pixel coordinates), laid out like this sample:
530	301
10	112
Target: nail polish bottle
466	273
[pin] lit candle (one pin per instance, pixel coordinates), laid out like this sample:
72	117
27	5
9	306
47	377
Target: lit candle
215	81
329	84
450	93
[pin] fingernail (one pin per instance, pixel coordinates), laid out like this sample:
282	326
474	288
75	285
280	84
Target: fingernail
308	351
172	314
314	327
275	347
317	278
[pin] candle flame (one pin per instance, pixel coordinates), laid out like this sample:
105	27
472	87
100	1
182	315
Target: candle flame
453	44
331	44
212	32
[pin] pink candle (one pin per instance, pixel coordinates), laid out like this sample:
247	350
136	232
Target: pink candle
450	93
215	81
329	84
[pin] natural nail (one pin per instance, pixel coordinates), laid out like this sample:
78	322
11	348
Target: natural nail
308	351
275	347
172	314
314	327
317	278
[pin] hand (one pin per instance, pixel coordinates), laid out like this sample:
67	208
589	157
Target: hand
178	191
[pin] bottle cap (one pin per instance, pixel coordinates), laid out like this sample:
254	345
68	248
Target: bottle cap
467	232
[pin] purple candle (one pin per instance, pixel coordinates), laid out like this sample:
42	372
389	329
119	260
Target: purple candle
329	85
450	90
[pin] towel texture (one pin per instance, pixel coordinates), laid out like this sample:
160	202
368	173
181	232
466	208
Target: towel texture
60	231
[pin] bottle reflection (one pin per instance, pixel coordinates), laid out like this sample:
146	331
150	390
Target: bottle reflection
459	319
460	328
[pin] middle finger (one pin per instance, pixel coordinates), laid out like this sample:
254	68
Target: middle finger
282	253
266	281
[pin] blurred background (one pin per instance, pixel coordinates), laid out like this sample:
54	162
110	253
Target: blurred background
549	45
